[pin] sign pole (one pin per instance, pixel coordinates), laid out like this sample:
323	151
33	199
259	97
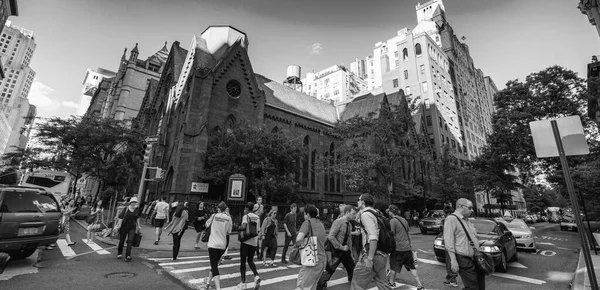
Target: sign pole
575	204
142	182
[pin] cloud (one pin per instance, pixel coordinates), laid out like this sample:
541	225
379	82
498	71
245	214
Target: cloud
47	106
315	48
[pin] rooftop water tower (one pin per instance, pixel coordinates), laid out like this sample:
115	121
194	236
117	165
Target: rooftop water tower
292	79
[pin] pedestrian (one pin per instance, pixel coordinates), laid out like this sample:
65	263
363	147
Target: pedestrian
341	208
407	217
450	276
259	209
150	212
356	237
177	227
248	247
162	215
199	222
415	218
372	262
98	213
340	241
68	211
289	225
403	255
459	252
220	227
226	254
130	225
269	238
308	277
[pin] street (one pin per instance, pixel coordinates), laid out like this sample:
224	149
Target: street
550	267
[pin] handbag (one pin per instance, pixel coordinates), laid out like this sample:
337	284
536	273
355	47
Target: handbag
295	256
332	253
137	239
308	253
483	261
90	219
206	233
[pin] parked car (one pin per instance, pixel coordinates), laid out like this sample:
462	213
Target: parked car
521	232
568	224
433	221
494	239
29	218
529	219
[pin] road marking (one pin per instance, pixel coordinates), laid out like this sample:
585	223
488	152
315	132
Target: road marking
551	244
517	265
425	251
96	247
64	248
548	253
185	258
266	282
432	262
205	268
189	262
520	278
248	273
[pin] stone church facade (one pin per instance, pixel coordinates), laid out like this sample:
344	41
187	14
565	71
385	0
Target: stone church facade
210	87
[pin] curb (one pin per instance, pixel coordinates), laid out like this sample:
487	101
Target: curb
578	282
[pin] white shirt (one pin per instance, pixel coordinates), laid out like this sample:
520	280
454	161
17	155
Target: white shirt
162	210
220	227
254	218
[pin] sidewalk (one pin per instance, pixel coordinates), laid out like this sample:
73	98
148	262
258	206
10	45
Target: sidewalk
581	280
188	240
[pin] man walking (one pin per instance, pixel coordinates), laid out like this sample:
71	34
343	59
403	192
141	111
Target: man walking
372	262
259	209
341	241
459	251
450	276
403	255
289	224
162	215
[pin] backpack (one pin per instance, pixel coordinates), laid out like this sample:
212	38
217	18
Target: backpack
385	241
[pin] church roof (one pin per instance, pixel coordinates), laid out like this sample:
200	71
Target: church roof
179	55
362	106
283	97
163	53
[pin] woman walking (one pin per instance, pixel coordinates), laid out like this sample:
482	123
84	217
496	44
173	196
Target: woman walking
248	247
220	227
177	227
98	213
269	238
199	222
130	225
308	277
68	211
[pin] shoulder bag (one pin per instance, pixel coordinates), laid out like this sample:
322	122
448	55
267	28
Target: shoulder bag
305	255
206	233
483	261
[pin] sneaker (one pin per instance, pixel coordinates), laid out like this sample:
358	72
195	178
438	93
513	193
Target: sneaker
256	282
240	286
392	284
420	288
128	259
156	242
119	256
227	257
451	283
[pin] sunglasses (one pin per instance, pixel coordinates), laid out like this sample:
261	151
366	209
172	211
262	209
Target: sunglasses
469	207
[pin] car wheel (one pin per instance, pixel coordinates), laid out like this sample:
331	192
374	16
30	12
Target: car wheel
423	231
503	264
22	254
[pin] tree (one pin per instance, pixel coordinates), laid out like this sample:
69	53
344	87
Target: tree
267	159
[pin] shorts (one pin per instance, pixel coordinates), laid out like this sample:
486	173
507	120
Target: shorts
399	259
159	223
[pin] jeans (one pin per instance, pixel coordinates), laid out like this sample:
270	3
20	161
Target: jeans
450	276
471	277
125	234
344	257
247	252
286	245
363	276
177	243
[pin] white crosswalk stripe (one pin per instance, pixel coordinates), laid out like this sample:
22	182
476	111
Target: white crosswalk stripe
81	248
64	248
96	247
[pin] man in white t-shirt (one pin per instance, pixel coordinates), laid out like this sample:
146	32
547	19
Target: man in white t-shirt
162	215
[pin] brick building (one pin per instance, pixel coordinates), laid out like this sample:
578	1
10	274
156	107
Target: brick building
212	86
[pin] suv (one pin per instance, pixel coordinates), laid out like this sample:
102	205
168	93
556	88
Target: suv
29	218
433	221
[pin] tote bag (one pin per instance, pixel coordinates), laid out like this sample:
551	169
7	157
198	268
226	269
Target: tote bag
309	254
206	234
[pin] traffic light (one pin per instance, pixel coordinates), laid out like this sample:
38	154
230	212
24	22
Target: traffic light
160	174
147	149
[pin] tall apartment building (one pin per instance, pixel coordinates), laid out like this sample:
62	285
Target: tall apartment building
126	90
17	46
90	84
7	8
336	83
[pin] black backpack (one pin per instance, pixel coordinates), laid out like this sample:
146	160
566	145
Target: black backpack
385	242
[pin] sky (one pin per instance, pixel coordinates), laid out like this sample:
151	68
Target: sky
508	39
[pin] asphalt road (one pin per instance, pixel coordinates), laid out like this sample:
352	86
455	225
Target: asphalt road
551	267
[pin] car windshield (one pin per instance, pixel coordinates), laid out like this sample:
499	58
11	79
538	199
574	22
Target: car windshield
28	202
485	227
435	214
516	224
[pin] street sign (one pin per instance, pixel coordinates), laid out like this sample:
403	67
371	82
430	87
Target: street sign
571	135
199	187
151	139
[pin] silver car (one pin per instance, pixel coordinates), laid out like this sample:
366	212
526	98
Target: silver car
522	233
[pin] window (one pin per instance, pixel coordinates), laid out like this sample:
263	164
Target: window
336	92
418	49
405	54
424	87
407	90
405	74
395	83
30	201
422	69
429	123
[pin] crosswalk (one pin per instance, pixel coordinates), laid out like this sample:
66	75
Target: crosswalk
89	248
194	270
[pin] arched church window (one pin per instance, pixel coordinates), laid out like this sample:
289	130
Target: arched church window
405	54
418	49
230	124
